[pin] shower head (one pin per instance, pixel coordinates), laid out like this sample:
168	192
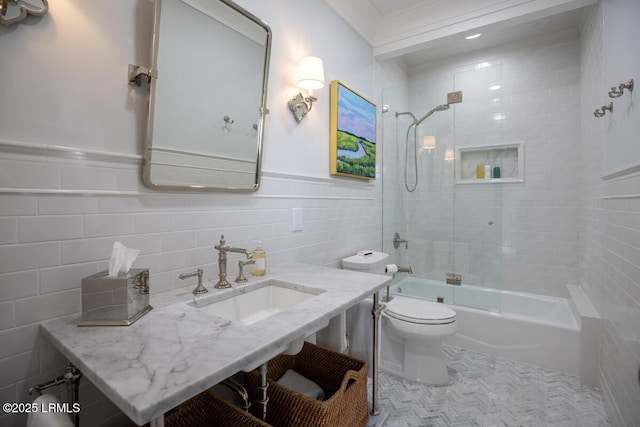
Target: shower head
438	108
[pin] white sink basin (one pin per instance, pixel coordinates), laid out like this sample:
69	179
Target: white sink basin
246	306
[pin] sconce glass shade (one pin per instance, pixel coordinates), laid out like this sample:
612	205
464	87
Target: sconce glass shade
428	142
311	73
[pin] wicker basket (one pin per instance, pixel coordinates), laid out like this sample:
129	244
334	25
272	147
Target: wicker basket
207	410
343	379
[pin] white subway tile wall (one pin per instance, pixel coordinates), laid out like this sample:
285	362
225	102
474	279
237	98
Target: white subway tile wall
514	236
48	242
609	241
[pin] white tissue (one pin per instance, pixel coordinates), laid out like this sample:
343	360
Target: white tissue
391	269
45	418
121	259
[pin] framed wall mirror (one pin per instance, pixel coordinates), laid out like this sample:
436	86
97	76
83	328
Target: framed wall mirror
207	103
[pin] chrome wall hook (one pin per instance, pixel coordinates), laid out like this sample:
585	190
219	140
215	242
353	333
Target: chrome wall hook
228	120
601	111
617	92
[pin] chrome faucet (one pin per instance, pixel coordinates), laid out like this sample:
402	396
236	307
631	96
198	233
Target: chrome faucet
223	248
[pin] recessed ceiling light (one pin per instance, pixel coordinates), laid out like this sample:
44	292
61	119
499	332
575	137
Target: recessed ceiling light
473	36
494	87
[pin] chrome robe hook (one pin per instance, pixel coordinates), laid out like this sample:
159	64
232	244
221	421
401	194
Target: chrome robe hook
617	92
601	111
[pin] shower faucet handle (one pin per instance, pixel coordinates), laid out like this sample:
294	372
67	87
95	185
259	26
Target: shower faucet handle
397	240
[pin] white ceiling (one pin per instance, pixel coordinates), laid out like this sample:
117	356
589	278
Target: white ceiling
567	23
419	31
385	7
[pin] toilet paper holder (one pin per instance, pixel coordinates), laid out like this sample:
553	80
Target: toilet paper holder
393	269
71	378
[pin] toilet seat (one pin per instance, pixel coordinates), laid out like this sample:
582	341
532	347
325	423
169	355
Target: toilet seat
419	311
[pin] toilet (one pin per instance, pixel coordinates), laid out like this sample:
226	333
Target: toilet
412	329
422	326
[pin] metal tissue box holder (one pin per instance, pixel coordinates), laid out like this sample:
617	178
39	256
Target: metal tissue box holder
115	301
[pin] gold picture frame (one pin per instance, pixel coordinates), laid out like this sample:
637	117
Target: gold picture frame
353	133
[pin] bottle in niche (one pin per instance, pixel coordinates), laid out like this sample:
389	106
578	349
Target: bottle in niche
260	258
479	171
496	172
487	171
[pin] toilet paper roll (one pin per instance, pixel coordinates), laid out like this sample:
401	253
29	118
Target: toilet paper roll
391	269
44	418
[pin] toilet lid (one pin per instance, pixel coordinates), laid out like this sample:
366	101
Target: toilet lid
419	311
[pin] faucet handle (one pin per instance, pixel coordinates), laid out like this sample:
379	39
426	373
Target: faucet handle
241	264
397	240
200	289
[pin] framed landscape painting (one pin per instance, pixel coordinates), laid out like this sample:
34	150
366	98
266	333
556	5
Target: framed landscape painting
353	133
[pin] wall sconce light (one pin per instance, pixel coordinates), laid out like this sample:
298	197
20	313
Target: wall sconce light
310	77
428	143
449	155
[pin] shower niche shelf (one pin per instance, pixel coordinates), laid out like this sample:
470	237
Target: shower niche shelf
509	157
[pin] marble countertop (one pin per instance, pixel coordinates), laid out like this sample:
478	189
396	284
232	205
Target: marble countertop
176	351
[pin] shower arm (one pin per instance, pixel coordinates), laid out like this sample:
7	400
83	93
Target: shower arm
407	113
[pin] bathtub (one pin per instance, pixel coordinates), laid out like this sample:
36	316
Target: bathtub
534	329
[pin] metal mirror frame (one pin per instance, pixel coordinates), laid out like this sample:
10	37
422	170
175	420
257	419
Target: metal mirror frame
152	75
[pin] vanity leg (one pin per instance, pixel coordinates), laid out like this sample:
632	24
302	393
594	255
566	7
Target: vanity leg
264	385
375	312
157	422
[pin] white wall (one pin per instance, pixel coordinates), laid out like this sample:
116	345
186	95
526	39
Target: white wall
61	211
610	219
308	28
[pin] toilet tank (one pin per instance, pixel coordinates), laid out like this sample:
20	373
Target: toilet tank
374	263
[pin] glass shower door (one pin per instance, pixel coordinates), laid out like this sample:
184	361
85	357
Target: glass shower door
478	203
418	182
431	195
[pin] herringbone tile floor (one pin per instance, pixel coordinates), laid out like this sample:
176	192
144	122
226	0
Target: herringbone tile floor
485	391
